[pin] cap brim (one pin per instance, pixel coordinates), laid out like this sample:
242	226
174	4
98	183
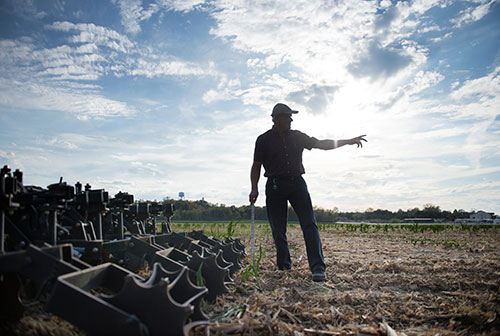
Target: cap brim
284	113
287	113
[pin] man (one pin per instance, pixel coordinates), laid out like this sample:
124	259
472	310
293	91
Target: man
280	151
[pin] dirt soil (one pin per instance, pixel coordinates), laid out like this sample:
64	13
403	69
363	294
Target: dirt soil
378	283
393	283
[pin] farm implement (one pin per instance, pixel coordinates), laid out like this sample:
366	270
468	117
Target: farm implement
81	252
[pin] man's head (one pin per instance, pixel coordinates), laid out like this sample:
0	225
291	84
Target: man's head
282	109
282	117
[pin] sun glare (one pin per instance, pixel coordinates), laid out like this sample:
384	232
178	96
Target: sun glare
347	115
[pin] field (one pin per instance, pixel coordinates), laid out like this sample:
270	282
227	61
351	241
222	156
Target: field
381	280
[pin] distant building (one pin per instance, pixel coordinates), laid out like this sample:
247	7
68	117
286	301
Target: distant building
480	217
418	220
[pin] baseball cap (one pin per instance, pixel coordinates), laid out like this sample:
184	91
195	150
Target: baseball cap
280	109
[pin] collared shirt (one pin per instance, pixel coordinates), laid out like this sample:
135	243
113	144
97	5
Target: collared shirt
282	155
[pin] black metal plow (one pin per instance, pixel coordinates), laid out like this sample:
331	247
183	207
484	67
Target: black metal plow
80	251
32	272
110	300
138	252
107	298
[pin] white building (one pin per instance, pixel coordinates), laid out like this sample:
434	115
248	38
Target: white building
480	217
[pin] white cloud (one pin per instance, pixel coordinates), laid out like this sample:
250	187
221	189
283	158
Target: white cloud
348	66
57	142
227	89
473	14
421	6
84	105
427	29
321	45
310	35
26	9
180	5
441	38
217	95
423	150
422	81
443	133
379	62
88	48
316	98
167	68
270	62
90	33
132	14
480	88
54	78
145	62
320	48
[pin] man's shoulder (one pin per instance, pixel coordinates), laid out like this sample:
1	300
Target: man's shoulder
271	133
266	134
307	141
298	133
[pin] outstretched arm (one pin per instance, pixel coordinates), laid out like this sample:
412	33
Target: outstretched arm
332	144
254	179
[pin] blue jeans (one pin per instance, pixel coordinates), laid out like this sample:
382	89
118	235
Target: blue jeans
280	190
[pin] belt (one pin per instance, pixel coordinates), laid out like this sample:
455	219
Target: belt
289	178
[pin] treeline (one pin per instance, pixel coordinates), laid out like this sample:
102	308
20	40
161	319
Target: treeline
203	210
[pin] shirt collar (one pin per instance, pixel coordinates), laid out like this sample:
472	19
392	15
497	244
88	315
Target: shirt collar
274	130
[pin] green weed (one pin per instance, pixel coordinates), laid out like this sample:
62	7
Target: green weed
451	243
214	230
253	269
199	278
230	312
231	228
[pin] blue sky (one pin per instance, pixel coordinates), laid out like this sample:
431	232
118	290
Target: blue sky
158	97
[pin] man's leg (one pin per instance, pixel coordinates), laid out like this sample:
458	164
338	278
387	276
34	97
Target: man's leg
277	214
302	205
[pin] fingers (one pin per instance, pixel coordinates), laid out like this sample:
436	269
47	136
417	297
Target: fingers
358	140
252	198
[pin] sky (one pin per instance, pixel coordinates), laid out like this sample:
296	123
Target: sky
160	97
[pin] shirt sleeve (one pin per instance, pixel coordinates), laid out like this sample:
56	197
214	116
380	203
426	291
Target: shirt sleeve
308	142
258	154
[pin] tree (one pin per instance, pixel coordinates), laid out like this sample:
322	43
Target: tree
430	211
